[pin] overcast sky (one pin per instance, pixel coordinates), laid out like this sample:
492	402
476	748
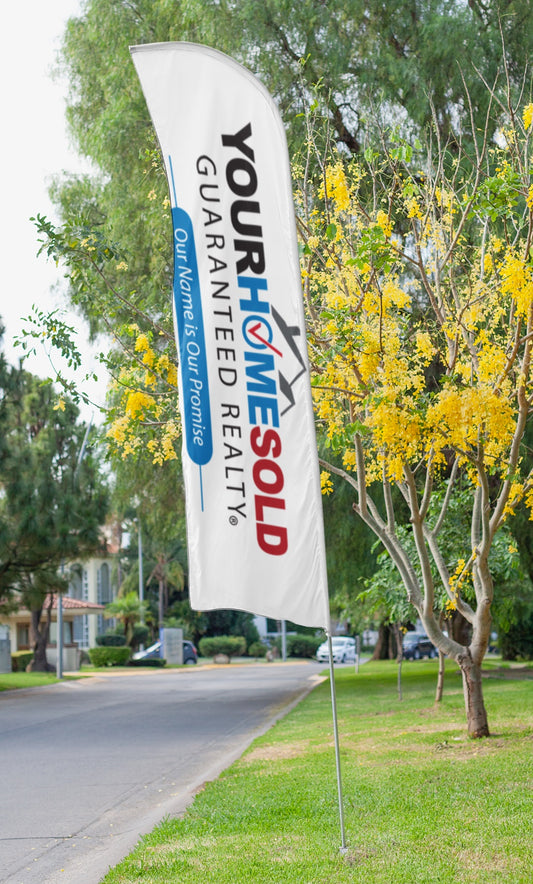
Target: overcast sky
34	147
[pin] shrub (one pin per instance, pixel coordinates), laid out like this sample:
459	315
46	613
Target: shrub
230	645
257	649
110	656
141	635
517	642
20	659
301	645
157	662
110	640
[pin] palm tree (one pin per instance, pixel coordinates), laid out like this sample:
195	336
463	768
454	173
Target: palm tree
128	609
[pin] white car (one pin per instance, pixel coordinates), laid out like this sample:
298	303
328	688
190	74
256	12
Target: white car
343	650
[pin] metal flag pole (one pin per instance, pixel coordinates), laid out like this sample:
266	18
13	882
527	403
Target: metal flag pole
284	641
59	616
59	628
343	848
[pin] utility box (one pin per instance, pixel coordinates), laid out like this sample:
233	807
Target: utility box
172	645
5	649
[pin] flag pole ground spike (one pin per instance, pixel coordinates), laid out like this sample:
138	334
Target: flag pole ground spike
343	848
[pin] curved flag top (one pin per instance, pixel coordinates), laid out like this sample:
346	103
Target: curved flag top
254	513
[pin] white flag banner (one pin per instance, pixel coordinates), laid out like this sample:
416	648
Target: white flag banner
250	465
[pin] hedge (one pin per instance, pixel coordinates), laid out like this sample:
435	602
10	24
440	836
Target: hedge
110	656
301	645
230	645
20	659
257	649
110	640
155	662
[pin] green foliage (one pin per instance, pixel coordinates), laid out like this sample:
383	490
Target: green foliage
386	595
517	642
128	610
53	498
344	58
230	645
141	635
149	498
11	681
152	662
301	645
110	640
52	504
257	649
350	551
226	622
193	623
350	61
109	656
21	659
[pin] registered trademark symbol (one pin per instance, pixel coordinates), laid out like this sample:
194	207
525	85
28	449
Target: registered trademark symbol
233	520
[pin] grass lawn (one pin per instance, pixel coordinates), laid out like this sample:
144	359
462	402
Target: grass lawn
423	802
9	681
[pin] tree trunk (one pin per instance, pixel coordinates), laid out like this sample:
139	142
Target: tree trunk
161	604
442	662
39	641
386	648
399	656
476	714
440	678
459	629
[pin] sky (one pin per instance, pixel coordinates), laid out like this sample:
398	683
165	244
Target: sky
34	147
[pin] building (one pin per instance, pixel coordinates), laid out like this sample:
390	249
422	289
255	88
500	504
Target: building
91	588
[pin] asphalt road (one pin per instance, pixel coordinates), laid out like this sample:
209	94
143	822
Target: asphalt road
88	766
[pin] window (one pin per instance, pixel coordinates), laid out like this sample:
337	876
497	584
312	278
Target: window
105	594
23	636
75	583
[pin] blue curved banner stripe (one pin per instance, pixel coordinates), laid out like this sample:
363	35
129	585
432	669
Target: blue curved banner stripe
191	342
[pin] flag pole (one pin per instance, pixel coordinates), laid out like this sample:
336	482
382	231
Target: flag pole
343	847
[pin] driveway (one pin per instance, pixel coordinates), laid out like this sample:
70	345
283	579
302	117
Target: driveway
90	765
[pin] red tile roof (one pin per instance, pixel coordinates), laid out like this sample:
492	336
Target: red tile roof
72	604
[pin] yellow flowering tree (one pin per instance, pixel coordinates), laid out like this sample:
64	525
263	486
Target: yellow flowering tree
141	410
418	278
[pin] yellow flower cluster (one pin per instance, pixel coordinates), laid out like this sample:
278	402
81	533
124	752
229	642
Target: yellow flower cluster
458	579
163	447
413	208
529	502
138	403
122	434
383	221
335	187
326	484
517	281
471	417
516	494
397	434
415	333
146	401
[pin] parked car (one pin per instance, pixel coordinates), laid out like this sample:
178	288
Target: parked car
343	650
417	645
190	654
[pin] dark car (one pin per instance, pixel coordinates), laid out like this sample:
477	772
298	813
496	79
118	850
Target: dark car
417	645
190	655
